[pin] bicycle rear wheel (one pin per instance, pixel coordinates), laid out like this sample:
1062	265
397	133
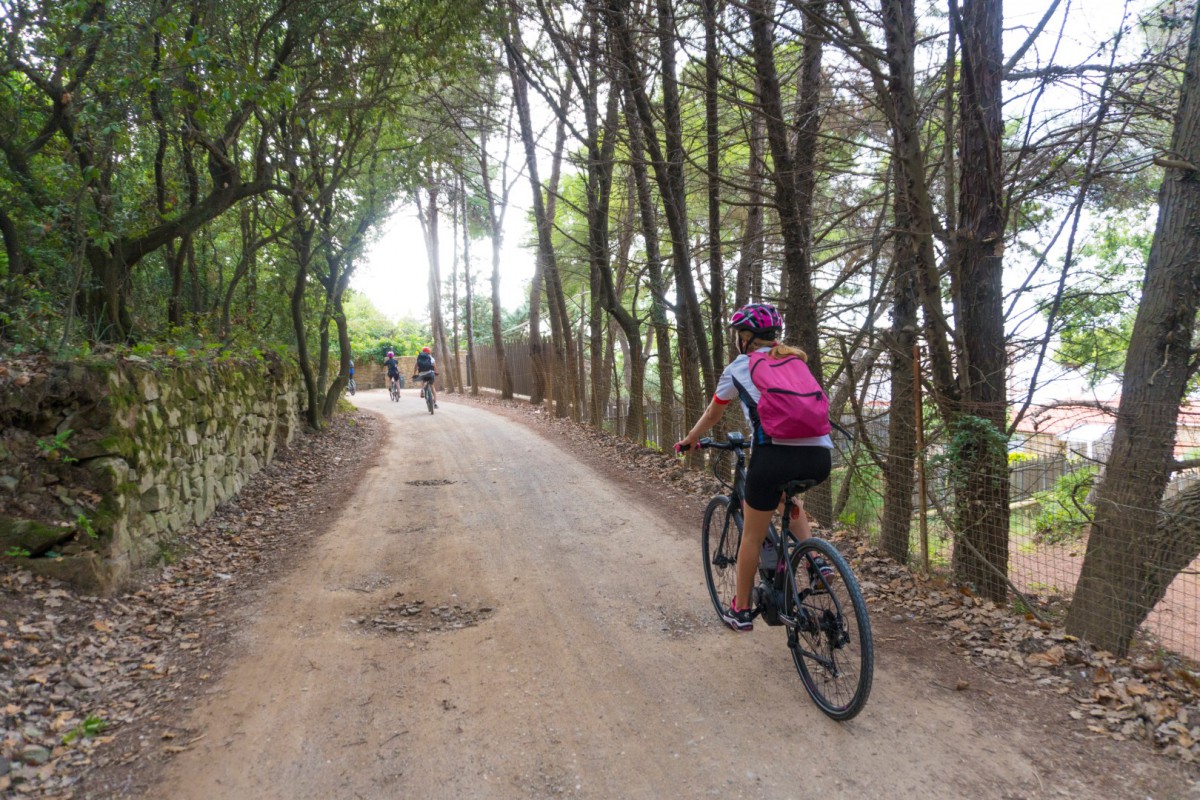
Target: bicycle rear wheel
829	632
720	537
429	399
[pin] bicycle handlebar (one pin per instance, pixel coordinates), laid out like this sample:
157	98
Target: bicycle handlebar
735	442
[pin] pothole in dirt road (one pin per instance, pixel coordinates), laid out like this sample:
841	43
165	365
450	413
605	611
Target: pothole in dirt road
417	616
430	482
669	622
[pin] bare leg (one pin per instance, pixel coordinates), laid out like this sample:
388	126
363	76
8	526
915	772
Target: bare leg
799	524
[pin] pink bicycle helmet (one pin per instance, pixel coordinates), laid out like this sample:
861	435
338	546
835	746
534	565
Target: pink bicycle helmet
757	317
391	354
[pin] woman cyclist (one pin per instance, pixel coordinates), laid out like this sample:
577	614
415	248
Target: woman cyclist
393	368
757	328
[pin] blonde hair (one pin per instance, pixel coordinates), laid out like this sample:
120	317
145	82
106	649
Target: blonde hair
778	349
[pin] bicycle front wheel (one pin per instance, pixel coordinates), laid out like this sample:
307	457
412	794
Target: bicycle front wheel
720	538
829	631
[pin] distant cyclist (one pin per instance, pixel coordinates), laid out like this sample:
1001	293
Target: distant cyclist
350	384
393	369
426	372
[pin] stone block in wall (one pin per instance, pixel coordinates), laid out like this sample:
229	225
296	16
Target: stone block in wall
155	498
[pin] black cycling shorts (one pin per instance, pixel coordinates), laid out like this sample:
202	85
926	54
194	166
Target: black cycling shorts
773	465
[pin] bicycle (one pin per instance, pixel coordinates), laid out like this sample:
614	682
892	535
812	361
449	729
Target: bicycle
394	389
829	633
351	387
428	395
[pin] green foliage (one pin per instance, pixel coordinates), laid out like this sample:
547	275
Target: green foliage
864	503
57	448
973	444
1100	301
90	727
83	523
17	552
372	334
1064	512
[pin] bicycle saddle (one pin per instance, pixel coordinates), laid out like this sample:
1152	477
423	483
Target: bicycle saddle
797	487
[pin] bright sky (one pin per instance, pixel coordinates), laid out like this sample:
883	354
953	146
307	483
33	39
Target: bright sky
395	272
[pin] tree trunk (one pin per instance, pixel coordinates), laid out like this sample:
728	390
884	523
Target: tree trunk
548	267
668	170
898	466
749	269
496	228
1135	550
658	285
429	223
303	250
712	139
977	269
454	348
470	306
794	175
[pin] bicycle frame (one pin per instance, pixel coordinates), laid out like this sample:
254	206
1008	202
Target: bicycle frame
812	591
785	542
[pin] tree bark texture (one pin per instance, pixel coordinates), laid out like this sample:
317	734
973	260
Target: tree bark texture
1135	549
977	263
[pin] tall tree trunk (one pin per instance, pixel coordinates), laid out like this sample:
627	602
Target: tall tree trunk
749	269
668	170
712	138
303	248
470	305
454	348
559	321
496	228
794	175
898	466
1135	550
981	500
658	285
675	201
429	223
599	195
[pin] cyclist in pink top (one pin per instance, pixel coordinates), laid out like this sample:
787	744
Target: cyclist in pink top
757	328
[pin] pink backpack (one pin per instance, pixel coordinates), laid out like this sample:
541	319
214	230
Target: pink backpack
792	405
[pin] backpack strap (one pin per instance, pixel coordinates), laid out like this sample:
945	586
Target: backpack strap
759	436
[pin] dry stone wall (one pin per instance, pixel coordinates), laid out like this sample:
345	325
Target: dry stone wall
104	465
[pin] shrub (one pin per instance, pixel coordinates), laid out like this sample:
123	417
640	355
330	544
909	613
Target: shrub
1064	511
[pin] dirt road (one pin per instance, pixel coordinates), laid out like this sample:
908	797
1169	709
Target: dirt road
494	618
